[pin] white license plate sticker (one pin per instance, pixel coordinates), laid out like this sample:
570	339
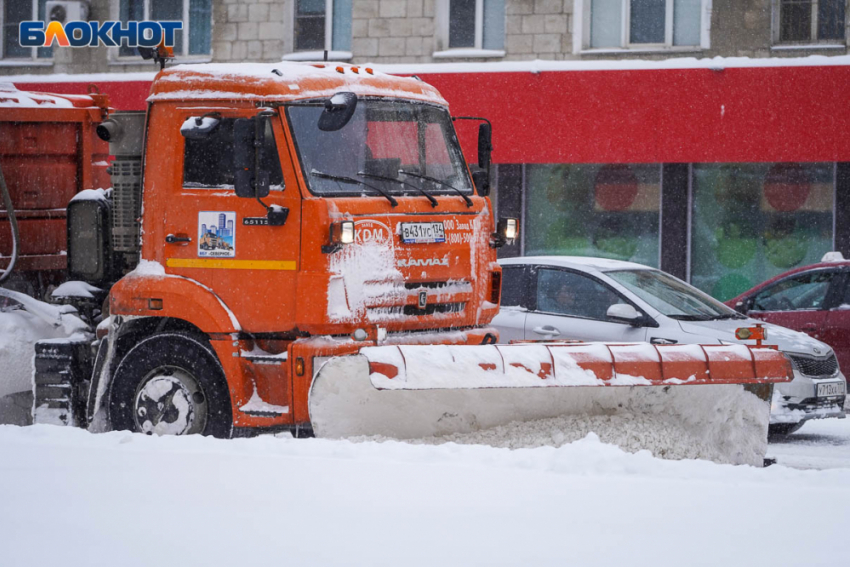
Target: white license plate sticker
831	389
422	232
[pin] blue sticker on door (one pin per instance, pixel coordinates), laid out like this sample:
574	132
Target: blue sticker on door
216	234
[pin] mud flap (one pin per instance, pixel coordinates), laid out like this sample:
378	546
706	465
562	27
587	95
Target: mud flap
719	422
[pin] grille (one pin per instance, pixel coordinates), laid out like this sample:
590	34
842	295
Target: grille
817	367
428	285
126	193
434	308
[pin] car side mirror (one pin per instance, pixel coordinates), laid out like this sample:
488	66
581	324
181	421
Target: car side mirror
625	313
249	177
742	306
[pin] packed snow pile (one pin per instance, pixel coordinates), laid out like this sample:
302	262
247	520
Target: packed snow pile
23	322
203	501
719	422
631	432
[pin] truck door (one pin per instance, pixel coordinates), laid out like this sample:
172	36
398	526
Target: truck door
223	241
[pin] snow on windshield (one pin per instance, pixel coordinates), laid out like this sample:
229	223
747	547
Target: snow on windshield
381	139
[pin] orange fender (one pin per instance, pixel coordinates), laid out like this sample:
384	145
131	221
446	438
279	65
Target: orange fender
172	296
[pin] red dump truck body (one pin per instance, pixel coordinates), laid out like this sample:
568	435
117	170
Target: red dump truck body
48	152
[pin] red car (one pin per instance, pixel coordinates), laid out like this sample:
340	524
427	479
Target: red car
814	299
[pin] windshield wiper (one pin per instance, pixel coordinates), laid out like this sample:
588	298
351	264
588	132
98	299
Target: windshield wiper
352	180
684	317
728	316
434	202
443	183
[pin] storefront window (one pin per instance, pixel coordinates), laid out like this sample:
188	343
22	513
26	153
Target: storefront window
753	221
610	211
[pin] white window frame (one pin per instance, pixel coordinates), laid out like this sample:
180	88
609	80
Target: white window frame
581	31
813	42
116	59
33	60
329	39
477	50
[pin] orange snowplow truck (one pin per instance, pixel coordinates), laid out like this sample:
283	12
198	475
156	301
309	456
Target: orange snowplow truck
303	247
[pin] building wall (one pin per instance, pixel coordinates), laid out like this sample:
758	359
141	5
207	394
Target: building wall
538	29
413	31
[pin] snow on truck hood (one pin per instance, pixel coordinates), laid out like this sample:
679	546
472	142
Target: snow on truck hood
786	339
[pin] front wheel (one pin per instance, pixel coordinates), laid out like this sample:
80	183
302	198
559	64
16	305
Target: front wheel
171	384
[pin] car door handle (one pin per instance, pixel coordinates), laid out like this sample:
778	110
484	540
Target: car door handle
546	330
178	238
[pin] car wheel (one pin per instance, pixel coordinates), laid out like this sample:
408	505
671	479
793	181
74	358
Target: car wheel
171	384
784	428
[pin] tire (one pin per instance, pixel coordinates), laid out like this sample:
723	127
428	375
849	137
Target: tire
171	384
784	428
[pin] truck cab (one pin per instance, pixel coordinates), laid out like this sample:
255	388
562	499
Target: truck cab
289	213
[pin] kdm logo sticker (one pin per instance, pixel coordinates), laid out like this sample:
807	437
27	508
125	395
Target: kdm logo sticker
216	234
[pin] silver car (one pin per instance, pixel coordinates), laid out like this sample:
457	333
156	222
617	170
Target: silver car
595	299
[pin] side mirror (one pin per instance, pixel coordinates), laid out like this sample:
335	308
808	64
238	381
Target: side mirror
197	127
742	306
481	176
249	177
338	111
485	145
624	313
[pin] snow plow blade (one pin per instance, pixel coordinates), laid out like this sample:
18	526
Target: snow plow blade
421	391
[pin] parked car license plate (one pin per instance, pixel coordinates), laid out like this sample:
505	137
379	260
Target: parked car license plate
422	232
831	389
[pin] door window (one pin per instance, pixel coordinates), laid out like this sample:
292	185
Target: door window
208	162
575	295
803	291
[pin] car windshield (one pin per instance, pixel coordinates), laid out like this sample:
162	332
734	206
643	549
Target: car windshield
671	297
399	147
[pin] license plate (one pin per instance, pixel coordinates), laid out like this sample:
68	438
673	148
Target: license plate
831	389
422	232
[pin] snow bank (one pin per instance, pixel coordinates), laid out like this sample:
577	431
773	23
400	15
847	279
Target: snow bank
201	501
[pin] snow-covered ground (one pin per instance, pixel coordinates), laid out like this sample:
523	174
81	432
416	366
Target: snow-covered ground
819	444
68	497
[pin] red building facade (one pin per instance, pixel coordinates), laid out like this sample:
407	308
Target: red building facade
722	172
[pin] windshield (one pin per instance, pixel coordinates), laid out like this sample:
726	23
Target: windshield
382	138
672	297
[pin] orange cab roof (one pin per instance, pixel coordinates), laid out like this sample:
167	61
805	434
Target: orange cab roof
284	81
